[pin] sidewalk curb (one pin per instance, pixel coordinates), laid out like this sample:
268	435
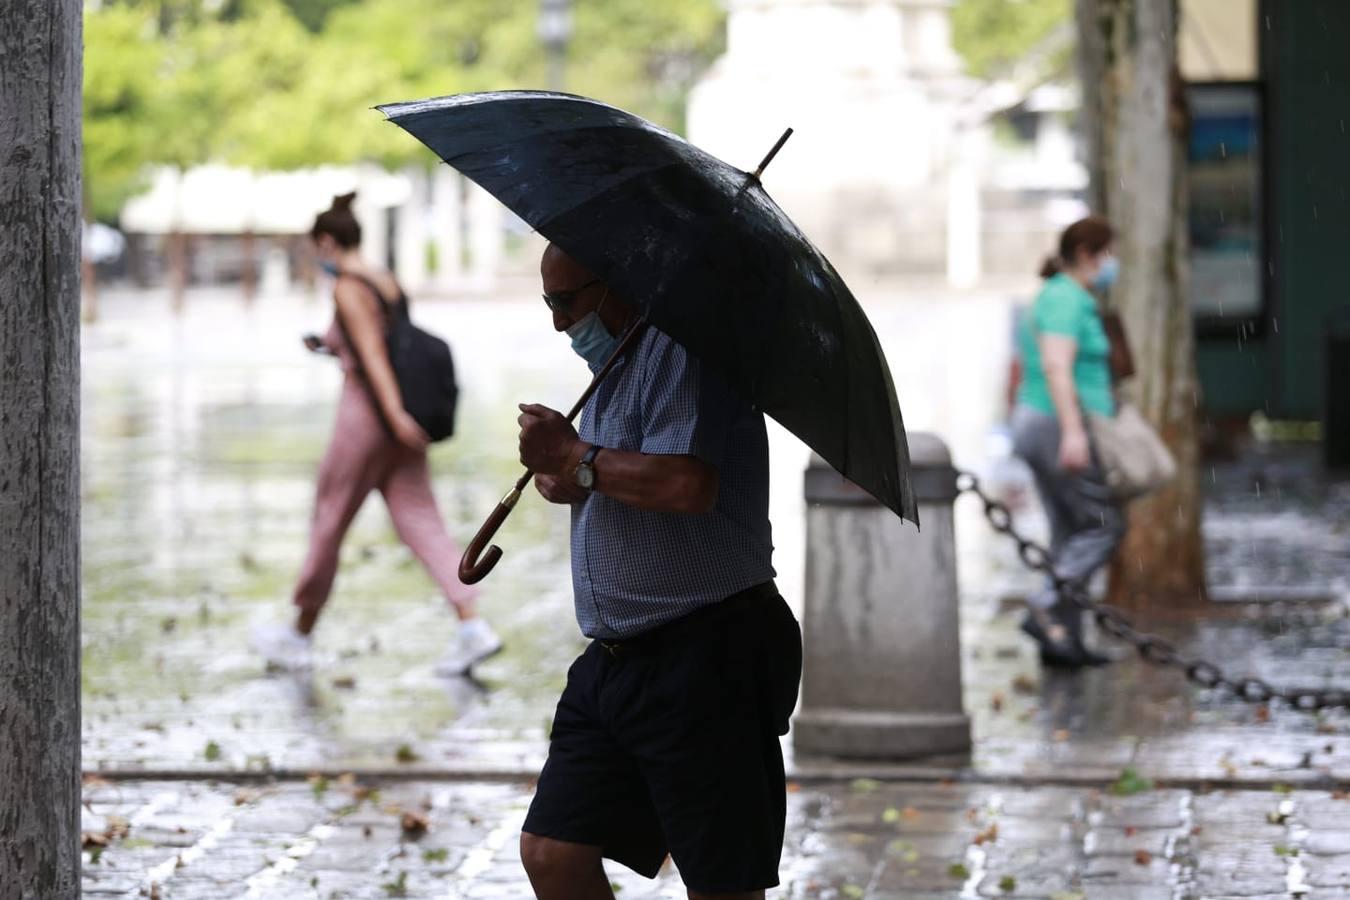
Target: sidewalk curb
822	774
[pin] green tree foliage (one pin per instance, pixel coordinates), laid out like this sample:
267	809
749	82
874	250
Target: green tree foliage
282	84
123	91
994	35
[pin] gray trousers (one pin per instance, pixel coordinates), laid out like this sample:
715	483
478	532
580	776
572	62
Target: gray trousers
1087	523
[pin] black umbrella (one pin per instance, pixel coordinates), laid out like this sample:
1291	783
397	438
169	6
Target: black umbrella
702	251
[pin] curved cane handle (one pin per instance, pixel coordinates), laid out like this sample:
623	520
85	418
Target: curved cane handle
472	569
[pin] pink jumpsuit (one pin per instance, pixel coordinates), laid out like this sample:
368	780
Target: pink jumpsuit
362	456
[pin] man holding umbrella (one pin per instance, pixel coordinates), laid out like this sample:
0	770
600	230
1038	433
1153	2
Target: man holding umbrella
700	307
666	736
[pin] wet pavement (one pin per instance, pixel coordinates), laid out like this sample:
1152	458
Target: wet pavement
869	839
201	437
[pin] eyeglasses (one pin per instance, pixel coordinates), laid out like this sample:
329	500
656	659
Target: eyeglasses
561	301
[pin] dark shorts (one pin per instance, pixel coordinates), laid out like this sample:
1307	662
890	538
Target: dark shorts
669	744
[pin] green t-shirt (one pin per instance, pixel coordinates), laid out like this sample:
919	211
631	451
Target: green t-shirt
1064	307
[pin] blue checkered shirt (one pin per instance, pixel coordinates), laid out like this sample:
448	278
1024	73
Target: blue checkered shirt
633	569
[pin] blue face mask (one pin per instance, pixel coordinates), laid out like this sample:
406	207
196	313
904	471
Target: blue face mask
1107	274
330	267
591	340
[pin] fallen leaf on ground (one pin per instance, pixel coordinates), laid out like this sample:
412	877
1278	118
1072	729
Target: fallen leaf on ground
1340	795
1060	736
988	836
853	891
909	813
891	815
958	870
1282	789
996	701
91	839
244	795
212	751
345	683
414	823
1281	850
93	781
1131	831
405	754
1007	884
1142	858
864	785
1024	684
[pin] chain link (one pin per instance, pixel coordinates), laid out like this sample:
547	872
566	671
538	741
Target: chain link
1153	649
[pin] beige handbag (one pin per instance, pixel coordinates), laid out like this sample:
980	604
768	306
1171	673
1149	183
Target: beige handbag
1132	454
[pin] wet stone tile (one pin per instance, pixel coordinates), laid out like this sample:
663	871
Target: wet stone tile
1327	843
1108	841
1121	870
1152	809
1329	872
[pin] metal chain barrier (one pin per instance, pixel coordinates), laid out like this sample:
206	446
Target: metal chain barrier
1154	649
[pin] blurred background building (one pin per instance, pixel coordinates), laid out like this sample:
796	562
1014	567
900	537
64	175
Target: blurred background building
912	165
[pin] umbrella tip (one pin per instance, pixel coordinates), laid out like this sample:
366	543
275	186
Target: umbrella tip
768	157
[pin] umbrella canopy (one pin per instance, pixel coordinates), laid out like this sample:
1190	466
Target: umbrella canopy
703	252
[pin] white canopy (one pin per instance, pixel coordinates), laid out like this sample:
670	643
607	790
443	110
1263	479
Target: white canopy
215	199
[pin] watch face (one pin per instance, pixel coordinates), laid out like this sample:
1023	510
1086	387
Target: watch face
586	476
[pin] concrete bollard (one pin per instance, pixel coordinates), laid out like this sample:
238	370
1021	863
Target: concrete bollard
882	668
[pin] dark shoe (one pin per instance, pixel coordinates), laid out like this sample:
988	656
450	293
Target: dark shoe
1060	652
1072	617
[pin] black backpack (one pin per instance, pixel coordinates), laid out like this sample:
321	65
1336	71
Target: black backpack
422	364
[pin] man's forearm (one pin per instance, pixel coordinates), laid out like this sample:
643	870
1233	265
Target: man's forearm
659	483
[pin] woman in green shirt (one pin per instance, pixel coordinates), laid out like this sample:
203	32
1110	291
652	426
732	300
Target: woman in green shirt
1065	375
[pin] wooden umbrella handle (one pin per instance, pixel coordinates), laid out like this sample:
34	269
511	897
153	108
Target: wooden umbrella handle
480	557
472	568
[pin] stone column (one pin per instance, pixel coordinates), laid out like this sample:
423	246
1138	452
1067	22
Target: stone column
486	238
410	236
447	227
882	669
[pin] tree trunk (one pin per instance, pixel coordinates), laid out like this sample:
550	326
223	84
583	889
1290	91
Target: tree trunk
1136	125
177	251
249	270
39	449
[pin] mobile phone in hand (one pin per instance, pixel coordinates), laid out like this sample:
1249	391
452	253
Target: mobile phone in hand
315	344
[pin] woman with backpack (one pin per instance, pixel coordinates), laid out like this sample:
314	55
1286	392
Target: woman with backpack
1066	376
376	445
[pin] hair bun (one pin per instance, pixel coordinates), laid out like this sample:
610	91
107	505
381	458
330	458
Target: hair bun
344	201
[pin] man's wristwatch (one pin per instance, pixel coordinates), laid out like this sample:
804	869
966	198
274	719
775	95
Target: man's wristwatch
584	473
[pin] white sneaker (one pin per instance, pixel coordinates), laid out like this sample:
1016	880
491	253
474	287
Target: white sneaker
474	642
282	646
